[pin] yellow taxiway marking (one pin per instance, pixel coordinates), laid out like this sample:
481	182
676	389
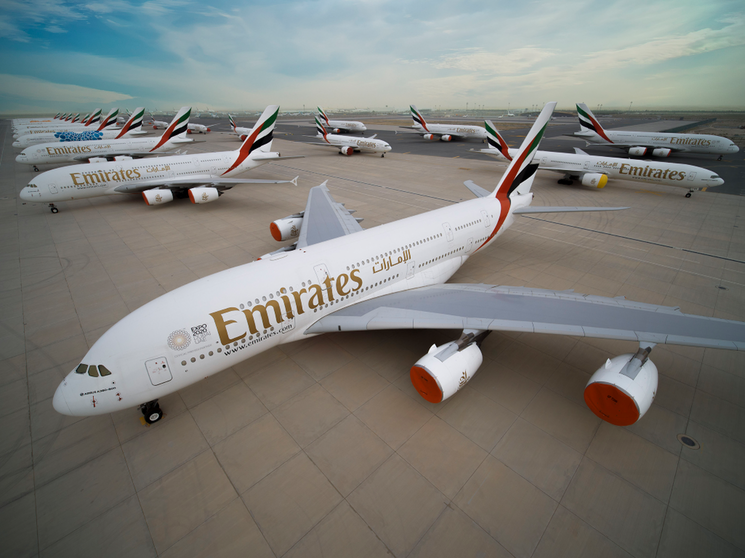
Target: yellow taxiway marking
456	157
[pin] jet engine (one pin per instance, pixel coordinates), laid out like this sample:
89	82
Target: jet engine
429	137
203	194
346	150
157	196
243	137
622	390
97	159
637	151
336	130
661	152
595	179
287	227
444	370
446	138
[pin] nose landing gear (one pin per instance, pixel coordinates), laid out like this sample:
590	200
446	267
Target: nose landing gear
151	411
53	209
36	169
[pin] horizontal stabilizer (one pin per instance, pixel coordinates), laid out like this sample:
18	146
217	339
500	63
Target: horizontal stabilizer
578	151
478	191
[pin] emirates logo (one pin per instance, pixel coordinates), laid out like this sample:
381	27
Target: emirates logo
158	198
205	197
463	380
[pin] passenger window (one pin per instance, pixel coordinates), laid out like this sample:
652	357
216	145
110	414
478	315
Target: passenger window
93	371
103	370
81	369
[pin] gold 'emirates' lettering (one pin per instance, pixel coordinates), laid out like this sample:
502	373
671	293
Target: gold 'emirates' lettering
101	177
315	300
650	172
66	150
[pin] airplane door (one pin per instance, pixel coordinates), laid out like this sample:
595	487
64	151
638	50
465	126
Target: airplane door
469	246
485	218
448	231
322	272
158	370
691	176
53	188
410	269
587	165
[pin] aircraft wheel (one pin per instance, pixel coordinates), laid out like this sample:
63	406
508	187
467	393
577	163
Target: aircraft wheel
53	209
36	169
151	411
383	155
688	195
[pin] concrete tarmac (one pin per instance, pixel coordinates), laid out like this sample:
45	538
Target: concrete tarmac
322	447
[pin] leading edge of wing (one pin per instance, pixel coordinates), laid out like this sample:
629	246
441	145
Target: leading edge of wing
139	186
324	218
487	307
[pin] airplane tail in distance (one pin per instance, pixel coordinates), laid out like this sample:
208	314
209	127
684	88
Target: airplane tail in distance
521	172
134	122
74	120
588	122
94	118
56	116
418	118
232	122
321	129
260	138
323	116
110	119
176	129
496	140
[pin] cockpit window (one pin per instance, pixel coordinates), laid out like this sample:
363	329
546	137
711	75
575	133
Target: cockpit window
714	176
103	370
81	369
93	371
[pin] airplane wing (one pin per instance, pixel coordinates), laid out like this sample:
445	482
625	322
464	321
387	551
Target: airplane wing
185	183
325	218
487	307
480	192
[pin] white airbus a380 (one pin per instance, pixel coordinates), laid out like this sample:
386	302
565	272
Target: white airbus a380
658	144
340	277
204	177
443	132
105	131
338	126
86	121
89	123
595	171
349	144
98	151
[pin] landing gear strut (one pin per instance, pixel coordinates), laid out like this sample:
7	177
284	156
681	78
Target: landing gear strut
53	209
565	181
151	411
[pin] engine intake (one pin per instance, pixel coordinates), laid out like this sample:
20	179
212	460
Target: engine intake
661	152
598	180
286	228
446	369
637	151
623	389
346	150
203	194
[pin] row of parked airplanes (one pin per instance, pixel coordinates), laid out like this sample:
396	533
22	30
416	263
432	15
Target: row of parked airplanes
336	276
114	167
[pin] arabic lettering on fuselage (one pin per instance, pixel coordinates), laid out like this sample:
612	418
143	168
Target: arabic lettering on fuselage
386	264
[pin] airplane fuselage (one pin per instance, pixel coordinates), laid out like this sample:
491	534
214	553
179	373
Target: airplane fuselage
76	151
656	172
100	179
369	145
347	125
73	136
458	131
688	143
184	336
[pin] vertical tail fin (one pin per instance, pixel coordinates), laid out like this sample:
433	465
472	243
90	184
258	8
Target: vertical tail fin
521	172
418	118
232	122
323	116
56	116
110	119
321	129
177	128
588	122
134	122
495	140
260	138
94	118
74	120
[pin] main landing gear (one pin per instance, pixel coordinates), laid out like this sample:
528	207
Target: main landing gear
565	181
151	411
53	209
688	194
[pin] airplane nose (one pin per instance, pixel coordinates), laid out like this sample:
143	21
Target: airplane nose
16	144
59	402
25	194
21	158
733	148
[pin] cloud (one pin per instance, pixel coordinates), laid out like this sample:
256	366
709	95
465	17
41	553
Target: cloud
39	90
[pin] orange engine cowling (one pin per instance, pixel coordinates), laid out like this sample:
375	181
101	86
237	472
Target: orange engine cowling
661	152
637	151
430	137
157	196
623	389
444	370
346	150
446	137
286	228
203	194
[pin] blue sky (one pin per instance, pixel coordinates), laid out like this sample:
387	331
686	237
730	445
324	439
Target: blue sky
59	55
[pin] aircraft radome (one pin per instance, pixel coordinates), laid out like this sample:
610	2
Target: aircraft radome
658	144
595	171
203	177
339	277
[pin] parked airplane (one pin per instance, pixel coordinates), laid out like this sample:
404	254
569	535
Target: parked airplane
240	131
340	277
86	122
204	177
443	132
197	129
157	123
591	170
98	151
108	122
349	144
338	126
658	144
105	131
